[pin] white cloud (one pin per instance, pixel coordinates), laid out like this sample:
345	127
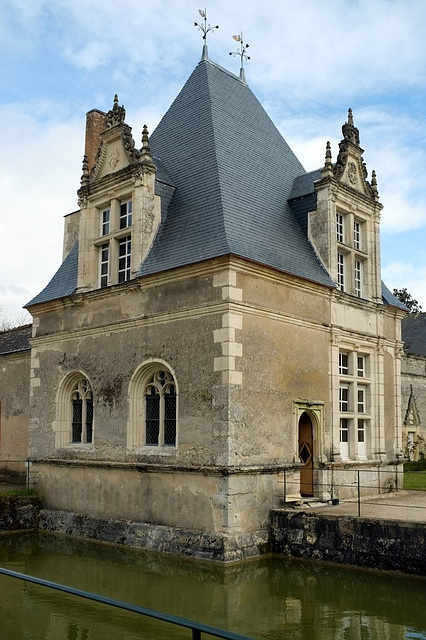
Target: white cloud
309	62
39	178
399	275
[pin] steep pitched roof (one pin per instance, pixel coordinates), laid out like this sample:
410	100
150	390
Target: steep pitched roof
391	300
414	333
63	283
234	173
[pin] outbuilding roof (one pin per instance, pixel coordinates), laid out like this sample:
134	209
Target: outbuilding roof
15	340
414	333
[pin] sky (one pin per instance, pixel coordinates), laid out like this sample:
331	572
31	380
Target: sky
310	60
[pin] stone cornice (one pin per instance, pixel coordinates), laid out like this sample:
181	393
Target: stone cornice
145	467
349	193
209	267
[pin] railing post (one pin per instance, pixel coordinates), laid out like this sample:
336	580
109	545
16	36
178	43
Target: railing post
196	634
359	495
28	475
285	487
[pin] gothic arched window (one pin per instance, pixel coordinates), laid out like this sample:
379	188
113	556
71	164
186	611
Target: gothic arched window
160	409
153	407
82	412
74	411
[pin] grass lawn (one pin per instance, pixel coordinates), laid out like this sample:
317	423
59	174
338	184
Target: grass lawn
415	480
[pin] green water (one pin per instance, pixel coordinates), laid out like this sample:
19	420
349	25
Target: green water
267	598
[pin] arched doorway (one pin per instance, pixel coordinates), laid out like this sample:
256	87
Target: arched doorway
306	455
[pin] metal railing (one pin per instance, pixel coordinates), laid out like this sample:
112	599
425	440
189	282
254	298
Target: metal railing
15	475
197	628
365	485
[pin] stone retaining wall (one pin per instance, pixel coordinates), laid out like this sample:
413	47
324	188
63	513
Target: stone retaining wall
379	544
142	535
364	542
19	512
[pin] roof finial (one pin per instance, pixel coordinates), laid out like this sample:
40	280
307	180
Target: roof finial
85	176
328	165
145	152
116	115
374	188
242	53
205	28
350	132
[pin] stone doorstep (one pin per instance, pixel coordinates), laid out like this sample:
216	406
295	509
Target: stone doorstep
299	502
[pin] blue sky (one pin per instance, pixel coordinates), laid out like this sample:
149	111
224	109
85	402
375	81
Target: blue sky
310	61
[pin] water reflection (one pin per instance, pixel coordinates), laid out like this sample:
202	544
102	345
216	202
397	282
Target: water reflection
271	598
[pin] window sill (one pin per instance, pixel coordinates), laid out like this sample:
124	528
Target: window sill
75	446
151	450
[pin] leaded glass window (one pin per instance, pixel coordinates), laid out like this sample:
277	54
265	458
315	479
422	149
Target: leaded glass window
82	412
160	410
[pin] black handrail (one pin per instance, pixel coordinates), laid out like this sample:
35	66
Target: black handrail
197	627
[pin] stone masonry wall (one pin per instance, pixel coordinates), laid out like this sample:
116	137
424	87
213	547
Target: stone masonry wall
378	544
19	512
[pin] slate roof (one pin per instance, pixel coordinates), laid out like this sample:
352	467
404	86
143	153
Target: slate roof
234	173
63	283
391	300
304	185
15	340
226	176
414	333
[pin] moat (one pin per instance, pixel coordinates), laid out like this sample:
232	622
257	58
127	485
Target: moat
268	597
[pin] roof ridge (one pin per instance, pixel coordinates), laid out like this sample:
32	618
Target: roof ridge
220	68
218	177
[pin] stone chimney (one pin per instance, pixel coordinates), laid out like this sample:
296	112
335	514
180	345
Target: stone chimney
96	123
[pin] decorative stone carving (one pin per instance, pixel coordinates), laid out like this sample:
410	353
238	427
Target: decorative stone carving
148	209
352	174
350	132
114	158
116	115
349	158
335	337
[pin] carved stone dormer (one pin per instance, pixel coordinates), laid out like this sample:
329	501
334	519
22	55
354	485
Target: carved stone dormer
117	148
350	167
119	210
344	229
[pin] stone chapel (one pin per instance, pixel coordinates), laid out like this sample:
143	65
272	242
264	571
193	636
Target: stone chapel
217	339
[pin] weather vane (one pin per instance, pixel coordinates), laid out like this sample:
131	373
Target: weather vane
242	53
205	28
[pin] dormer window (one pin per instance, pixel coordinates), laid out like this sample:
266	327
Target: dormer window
105	222
341	271
114	243
104	264
358	278
126	214
357	235
340	227
124	255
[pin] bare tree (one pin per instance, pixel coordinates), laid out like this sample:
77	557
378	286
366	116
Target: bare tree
7	322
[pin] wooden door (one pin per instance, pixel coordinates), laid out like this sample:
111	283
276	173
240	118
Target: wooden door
306	455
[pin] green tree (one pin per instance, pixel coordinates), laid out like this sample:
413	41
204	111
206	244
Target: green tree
407	299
